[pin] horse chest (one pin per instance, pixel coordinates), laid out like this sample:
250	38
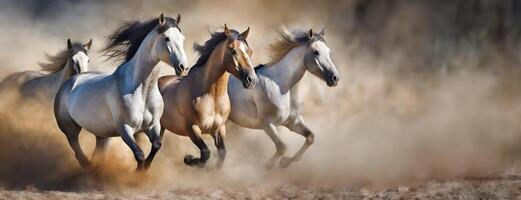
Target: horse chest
211	112
140	111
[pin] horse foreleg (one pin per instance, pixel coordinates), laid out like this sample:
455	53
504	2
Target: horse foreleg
271	130
218	138
101	146
155	135
300	127
127	134
195	135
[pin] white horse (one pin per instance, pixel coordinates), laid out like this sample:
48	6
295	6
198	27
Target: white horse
127	101
274	100
41	87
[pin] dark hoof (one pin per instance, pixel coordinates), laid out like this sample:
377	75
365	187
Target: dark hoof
191	160
140	168
86	164
285	161
148	163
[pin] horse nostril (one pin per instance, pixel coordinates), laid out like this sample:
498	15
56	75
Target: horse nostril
334	78
248	79
181	66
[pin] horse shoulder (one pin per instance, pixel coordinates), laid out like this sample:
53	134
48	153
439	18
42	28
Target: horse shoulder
203	104
296	99
274	95
203	108
272	104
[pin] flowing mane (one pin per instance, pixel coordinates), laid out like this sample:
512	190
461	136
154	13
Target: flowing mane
289	40
206	49
57	62
123	43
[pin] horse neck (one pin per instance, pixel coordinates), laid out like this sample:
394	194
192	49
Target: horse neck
60	76
141	69
213	77
289	70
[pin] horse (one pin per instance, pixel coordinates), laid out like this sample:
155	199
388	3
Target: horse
274	101
42	86
198	103
127	101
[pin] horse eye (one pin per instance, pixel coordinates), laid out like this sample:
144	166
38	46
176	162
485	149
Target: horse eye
167	39
316	52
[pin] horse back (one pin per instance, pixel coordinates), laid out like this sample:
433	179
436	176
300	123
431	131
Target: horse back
169	80
19	78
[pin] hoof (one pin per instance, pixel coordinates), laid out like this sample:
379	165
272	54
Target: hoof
285	162
86	164
191	160
140	168
148	163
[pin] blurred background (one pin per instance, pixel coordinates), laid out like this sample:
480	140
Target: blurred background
430	89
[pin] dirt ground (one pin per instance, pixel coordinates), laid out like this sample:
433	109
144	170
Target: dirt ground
501	187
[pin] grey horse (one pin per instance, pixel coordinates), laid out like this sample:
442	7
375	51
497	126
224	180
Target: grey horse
274	100
41	87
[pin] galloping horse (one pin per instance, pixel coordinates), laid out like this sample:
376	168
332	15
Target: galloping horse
199	102
42	87
127	101
275	101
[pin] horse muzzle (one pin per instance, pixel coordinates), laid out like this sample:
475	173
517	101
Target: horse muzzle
332	79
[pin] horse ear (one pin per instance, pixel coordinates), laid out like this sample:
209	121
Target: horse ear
310	33
178	19
89	44
162	19
244	34
69	44
322	31
226	30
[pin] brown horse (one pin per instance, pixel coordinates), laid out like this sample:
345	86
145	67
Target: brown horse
198	103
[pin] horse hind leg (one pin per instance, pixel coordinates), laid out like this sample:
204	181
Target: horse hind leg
70	128
271	130
300	127
195	136
72	131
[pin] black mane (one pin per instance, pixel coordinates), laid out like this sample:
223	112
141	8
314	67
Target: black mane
123	43
206	49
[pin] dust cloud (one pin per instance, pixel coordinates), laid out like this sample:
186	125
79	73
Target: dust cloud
429	90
